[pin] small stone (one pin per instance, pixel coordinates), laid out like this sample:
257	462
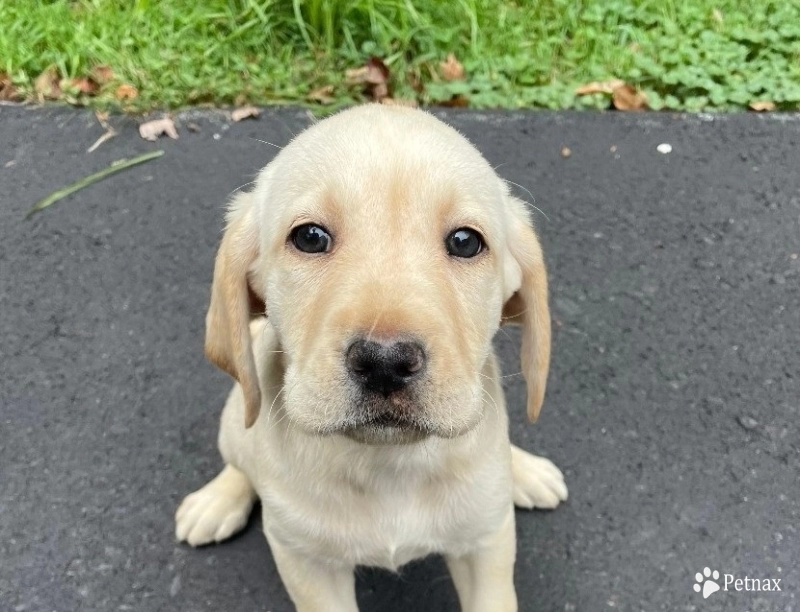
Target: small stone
748	423
175	587
664	148
566	152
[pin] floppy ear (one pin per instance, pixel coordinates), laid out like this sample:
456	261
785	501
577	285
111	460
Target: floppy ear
526	280
233	298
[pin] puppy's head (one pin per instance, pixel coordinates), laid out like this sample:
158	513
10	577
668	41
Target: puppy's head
386	253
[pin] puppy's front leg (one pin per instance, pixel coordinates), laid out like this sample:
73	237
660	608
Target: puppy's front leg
314	586
484	578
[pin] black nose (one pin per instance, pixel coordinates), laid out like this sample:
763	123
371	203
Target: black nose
384	368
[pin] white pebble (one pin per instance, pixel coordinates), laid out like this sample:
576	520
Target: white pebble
664	148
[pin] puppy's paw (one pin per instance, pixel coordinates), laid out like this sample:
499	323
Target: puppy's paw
538	483
217	511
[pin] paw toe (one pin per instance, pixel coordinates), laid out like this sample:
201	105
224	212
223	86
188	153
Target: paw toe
538	483
211	515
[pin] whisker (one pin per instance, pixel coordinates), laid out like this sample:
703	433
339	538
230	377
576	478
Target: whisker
240	187
265	142
531	204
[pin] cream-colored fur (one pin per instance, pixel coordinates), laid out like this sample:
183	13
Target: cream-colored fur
388	184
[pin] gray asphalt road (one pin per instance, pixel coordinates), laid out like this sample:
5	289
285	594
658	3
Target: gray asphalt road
673	402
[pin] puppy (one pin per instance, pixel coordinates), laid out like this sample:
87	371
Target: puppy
356	292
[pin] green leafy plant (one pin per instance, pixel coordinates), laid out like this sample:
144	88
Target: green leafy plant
684	54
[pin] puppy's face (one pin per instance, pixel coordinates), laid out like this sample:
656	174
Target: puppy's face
384	258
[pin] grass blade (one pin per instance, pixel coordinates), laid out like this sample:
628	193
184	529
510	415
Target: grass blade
91	179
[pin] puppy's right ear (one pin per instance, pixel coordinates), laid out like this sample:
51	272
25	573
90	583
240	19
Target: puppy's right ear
228	344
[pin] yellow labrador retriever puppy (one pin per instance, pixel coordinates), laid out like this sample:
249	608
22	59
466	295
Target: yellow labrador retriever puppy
369	417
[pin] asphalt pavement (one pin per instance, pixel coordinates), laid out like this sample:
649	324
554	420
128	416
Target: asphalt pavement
672	407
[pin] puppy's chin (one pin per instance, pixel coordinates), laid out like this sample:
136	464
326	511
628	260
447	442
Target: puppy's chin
381	434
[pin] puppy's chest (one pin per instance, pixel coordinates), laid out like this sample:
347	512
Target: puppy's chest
388	527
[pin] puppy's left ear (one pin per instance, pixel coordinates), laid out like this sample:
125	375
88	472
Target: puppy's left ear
525	278
234	300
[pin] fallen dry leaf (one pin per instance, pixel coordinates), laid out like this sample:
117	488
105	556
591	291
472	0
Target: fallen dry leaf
322	95
7	90
47	85
377	72
605	87
458	101
415	81
375	75
354	76
245	112
400	102
451	69
110	132
126	92
102	74
566	152
762	106
108	135
102	118
151	130
628	98
87	86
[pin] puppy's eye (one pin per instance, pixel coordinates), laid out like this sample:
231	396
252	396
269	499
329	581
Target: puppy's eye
311	238
464	242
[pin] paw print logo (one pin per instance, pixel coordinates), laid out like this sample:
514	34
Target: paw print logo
706	582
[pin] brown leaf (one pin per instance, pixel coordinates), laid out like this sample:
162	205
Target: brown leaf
126	92
323	95
415	81
628	98
47	85
245	112
451	69
605	87
375	75
7	90
374	72
377	72
354	76
459	101
151	130
102	74
400	102
379	91
85	86
763	106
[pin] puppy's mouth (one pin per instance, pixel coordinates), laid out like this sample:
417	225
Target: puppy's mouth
375	424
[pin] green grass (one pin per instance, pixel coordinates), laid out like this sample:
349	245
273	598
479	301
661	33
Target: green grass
685	54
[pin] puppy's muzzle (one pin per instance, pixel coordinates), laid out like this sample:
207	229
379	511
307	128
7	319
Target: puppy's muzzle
385	368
